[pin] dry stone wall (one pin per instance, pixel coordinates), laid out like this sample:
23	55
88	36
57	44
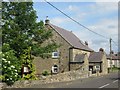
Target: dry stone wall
66	76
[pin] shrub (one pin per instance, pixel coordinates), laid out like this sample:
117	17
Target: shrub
45	73
27	59
10	65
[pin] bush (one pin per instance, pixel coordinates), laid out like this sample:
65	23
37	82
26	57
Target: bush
45	73
29	77
10	65
27	59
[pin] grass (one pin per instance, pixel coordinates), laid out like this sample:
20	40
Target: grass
113	69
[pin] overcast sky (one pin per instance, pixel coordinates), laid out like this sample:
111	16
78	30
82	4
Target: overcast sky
101	17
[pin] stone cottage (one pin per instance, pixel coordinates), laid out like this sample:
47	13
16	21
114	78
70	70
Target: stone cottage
71	55
98	62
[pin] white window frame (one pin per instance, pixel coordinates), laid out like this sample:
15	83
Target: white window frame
53	69
97	67
53	55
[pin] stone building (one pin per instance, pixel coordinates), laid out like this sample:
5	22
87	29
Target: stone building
98	62
71	55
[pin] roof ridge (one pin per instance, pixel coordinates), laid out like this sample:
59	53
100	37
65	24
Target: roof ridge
61	28
59	33
70	37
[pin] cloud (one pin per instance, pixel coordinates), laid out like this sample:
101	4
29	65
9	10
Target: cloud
105	27
73	8
99	17
106	0
104	7
77	0
59	20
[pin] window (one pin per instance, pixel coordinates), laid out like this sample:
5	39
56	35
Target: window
97	67
55	69
25	70
55	55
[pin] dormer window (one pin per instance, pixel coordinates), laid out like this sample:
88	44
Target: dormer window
55	55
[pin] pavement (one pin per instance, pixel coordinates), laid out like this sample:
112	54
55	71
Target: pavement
1	84
106	81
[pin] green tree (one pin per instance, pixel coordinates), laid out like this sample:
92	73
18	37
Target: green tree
19	22
20	30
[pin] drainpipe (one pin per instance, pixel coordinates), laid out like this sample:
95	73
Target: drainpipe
69	57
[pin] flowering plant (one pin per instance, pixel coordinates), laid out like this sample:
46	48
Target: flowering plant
10	65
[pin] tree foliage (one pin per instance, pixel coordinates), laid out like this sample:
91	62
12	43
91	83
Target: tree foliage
20	30
19	22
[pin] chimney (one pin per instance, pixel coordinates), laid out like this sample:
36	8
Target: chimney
86	43
116	54
47	21
112	52
101	50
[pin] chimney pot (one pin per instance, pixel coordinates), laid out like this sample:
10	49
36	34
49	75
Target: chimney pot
112	52
101	49
86	43
47	21
116	55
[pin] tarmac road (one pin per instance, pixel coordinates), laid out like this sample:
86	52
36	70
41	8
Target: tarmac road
106	81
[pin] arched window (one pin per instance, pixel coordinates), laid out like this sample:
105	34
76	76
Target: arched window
55	69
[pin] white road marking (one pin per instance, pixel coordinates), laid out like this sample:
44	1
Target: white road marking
115	81
104	85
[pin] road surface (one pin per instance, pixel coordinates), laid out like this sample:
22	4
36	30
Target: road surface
106	81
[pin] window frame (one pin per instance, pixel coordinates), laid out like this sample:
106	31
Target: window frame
53	69
55	56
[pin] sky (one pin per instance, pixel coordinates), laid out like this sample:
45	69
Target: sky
101	17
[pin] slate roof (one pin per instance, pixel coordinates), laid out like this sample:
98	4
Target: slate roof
114	57
71	38
95	57
79	58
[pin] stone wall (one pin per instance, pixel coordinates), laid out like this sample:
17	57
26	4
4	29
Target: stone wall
83	66
66	54
42	65
66	76
63	61
104	64
77	51
76	66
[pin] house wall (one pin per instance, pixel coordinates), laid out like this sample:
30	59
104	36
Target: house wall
104	64
63	61
94	64
66	54
76	66
77	51
109	62
81	66
42	65
118	63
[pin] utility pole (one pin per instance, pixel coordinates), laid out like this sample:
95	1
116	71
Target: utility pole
110	54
